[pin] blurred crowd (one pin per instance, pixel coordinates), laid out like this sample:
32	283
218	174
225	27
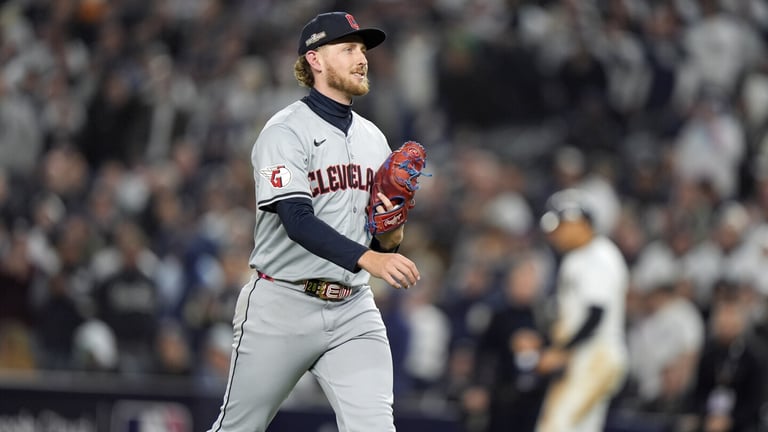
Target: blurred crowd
127	205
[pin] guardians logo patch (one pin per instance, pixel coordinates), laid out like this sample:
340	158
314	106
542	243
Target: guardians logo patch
278	175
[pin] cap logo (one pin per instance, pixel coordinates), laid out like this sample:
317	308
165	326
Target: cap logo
352	22
314	38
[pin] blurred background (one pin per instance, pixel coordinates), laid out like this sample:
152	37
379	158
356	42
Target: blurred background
127	205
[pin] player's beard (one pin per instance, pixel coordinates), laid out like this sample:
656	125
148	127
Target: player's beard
347	84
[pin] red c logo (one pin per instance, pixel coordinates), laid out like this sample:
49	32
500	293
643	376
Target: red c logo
352	22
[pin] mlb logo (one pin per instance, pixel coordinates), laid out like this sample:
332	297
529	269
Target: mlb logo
150	416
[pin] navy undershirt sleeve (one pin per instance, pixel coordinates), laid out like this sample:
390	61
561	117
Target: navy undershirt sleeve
303	227
594	315
375	245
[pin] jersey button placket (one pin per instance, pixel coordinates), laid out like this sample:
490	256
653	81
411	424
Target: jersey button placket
351	156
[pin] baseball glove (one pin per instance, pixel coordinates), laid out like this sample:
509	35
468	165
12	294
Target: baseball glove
396	178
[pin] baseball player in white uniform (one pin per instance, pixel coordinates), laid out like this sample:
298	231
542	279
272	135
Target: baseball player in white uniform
308	306
588	351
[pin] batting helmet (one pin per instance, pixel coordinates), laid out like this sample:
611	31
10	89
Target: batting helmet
565	205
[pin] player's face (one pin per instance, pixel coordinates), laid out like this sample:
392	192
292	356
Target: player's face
346	67
567	235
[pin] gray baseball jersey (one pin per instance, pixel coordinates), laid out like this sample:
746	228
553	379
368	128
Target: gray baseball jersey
298	154
279	331
315	149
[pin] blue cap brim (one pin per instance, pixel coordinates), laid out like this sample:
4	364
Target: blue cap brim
372	37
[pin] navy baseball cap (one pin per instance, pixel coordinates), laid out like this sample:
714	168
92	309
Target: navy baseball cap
565	205
330	26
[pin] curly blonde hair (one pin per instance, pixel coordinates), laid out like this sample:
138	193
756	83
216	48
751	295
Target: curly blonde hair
303	72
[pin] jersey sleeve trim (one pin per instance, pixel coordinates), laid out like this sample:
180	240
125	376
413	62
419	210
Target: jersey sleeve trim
269	205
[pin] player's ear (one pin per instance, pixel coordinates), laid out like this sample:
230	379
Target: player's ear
313	59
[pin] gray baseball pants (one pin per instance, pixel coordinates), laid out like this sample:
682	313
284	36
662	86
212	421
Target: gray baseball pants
280	333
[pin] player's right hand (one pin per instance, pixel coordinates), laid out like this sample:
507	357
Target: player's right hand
552	360
395	269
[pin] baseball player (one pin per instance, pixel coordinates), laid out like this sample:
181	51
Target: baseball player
587	356
308	306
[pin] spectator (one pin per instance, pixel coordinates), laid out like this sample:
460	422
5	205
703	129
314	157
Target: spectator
216	303
116	122
65	174
507	386
20	137
127	301
711	146
74	243
669	259
754	266
215	354
17	351
730	391
429	340
63	114
720	47
173	351
57	320
724	255
571	172
459	389
389	302
664	349
18	274
470	307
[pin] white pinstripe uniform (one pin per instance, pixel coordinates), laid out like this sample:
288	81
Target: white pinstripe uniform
595	274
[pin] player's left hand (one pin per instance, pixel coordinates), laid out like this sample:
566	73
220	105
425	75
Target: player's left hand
552	360
391	239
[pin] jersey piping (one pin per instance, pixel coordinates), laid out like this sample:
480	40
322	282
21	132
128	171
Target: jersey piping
269	204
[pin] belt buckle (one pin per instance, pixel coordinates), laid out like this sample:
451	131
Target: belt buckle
327	290
335	291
